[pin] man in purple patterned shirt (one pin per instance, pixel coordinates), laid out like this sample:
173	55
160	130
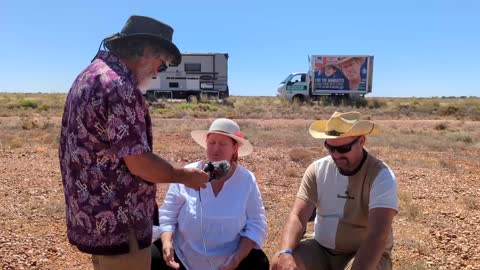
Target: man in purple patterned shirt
108	168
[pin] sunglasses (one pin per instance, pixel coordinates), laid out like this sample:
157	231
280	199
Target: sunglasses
162	68
341	149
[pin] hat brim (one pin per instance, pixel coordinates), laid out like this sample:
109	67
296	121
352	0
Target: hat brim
164	43
318	130
200	137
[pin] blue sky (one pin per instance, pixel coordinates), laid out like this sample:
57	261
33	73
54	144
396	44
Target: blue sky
422	48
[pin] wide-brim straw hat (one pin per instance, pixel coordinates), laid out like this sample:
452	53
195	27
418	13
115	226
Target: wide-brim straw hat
227	128
141	26
341	125
342	60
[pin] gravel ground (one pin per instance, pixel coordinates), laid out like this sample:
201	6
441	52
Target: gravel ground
435	229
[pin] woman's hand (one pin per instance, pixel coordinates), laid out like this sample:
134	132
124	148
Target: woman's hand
169	255
231	264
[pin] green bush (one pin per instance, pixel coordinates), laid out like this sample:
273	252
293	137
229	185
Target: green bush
186	106
207	107
204	107
27	103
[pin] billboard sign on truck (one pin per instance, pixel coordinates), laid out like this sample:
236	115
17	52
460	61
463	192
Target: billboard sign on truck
330	75
342	73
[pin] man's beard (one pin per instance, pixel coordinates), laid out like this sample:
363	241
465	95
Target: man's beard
344	165
144	85
144	78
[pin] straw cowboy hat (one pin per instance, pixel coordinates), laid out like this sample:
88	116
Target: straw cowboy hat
225	127
342	60
341	125
141	26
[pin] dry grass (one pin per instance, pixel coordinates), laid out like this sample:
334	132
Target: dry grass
427	135
28	104
434	160
291	172
408	208
471	203
29	131
13	143
302	156
268	107
412	265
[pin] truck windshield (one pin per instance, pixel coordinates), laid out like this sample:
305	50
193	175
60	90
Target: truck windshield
287	79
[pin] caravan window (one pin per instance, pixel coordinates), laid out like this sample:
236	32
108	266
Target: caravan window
193	67
173	85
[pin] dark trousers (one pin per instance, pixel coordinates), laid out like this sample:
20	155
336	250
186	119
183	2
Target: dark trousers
256	259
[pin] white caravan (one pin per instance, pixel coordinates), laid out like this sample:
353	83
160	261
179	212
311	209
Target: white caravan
198	74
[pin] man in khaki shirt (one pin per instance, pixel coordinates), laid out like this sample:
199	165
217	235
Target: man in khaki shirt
355	196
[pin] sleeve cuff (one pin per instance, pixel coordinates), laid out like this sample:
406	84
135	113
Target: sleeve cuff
255	238
166	228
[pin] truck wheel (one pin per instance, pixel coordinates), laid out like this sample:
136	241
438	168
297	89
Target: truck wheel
298	99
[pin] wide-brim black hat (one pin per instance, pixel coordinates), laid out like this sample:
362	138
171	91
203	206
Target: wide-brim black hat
141	26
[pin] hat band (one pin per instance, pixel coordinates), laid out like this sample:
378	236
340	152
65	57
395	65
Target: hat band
334	133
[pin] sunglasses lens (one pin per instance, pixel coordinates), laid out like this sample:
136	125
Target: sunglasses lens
342	149
162	68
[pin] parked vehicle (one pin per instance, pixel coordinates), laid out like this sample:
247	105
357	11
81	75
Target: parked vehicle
330	75
198	74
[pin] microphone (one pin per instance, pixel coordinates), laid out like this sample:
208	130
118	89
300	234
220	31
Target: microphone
216	169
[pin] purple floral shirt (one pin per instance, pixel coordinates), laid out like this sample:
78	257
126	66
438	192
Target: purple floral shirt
105	119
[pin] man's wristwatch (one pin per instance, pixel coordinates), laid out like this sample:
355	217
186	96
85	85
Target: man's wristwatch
288	251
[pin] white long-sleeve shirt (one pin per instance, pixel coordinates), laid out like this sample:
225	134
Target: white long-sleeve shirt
211	228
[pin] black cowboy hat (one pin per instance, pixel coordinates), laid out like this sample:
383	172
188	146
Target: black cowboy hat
141	26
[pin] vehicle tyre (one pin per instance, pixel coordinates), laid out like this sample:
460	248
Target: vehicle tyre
193	98
298	99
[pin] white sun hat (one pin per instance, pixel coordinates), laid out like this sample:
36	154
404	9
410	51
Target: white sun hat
225	127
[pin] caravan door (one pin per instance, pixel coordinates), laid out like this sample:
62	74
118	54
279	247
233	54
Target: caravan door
193	83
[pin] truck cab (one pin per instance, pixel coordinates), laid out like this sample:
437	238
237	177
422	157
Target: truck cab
295	87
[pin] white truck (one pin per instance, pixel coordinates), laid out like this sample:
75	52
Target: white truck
330	75
198	74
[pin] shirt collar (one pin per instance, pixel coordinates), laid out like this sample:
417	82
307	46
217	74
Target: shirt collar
116	64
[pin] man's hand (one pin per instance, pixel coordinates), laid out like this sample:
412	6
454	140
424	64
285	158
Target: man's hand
284	262
192	177
169	255
292	233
